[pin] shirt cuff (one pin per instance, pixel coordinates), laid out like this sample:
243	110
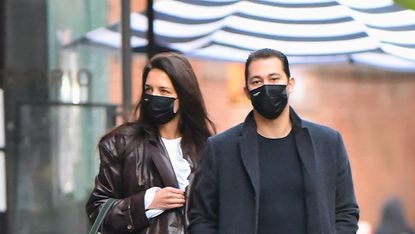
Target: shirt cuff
148	199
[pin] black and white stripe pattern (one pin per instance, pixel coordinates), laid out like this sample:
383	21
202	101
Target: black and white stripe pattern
306	30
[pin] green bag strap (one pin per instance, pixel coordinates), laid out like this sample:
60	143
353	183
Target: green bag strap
101	215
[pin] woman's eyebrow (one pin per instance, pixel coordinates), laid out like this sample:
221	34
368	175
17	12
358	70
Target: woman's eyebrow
164	87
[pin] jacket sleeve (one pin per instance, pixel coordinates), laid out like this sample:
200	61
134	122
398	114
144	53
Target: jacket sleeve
127	214
347	210
204	198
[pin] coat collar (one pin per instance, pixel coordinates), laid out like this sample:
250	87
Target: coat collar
248	144
160	157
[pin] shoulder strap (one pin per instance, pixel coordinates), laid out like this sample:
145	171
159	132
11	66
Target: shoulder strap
101	215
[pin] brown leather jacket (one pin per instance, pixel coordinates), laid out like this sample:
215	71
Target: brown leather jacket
126	177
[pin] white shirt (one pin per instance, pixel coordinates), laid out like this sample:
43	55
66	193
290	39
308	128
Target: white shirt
181	168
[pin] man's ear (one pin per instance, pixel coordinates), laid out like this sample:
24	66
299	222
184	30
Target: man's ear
290	85
246	91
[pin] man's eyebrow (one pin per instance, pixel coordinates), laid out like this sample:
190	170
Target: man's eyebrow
274	74
252	77
271	74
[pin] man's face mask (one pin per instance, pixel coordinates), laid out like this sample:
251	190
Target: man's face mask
269	100
158	109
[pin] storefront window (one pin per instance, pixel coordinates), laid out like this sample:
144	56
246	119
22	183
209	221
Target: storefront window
57	157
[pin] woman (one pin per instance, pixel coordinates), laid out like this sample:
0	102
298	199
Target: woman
147	164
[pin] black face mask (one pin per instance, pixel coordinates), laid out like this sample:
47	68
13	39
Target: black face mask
269	100
158	109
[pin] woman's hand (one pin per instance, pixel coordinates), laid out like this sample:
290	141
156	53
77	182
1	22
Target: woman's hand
168	198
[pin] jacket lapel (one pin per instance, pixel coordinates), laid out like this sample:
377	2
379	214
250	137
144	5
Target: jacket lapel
248	145
162	162
249	155
307	157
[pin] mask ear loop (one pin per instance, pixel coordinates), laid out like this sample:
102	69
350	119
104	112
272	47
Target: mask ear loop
178	108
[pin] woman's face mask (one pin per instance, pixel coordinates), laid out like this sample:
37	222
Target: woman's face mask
269	100
158	109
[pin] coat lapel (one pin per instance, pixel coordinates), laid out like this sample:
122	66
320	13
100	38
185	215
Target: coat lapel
249	154
162	162
248	145
307	157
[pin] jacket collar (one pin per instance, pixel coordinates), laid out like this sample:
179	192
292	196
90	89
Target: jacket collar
160	157
248	143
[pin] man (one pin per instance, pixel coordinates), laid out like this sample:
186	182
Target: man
274	173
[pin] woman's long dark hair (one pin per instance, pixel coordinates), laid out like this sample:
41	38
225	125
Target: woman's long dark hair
194	126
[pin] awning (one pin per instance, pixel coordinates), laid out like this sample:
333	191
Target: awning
377	33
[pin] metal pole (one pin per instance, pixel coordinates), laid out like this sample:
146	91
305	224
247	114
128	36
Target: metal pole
126	57
150	32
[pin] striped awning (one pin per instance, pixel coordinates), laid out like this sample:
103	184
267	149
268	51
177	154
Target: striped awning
376	32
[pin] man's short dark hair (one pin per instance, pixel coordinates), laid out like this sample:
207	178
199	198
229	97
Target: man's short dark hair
267	53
